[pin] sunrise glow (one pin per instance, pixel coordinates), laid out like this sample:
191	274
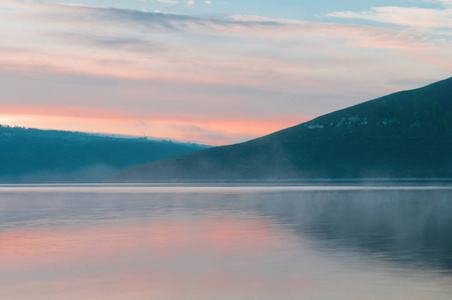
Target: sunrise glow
207	72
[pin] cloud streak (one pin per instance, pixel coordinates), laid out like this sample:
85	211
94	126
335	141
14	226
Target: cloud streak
404	16
186	67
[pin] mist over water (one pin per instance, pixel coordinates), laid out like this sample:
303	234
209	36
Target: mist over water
225	242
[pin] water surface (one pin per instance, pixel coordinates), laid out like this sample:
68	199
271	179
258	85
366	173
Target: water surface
225	242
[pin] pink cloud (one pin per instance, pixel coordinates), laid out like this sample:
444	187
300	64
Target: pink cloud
200	78
407	16
185	127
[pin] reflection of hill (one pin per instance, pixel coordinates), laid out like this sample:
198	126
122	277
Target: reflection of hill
50	155
412	226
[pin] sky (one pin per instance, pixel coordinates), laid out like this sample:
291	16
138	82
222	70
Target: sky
212	72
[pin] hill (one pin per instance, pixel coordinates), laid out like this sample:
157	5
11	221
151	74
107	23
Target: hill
32	155
403	135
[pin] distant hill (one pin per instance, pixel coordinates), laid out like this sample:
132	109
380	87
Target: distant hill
32	155
403	135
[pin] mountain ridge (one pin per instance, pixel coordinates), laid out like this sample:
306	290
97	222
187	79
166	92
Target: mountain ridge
404	134
35	155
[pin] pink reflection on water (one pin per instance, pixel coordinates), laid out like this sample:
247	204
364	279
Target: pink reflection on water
187	257
33	247
163	259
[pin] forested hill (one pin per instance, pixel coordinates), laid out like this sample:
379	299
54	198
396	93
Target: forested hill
32	155
403	135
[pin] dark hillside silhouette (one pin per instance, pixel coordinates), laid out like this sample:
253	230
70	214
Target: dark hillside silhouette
403	135
32	155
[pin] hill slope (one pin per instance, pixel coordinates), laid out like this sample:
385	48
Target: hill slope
406	134
30	155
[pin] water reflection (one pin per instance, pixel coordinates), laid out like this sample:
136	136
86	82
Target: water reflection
225	243
404	225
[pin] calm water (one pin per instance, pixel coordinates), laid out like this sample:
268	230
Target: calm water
150	242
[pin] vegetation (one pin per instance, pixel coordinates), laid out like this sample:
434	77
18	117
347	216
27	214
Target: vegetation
49	155
406	134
